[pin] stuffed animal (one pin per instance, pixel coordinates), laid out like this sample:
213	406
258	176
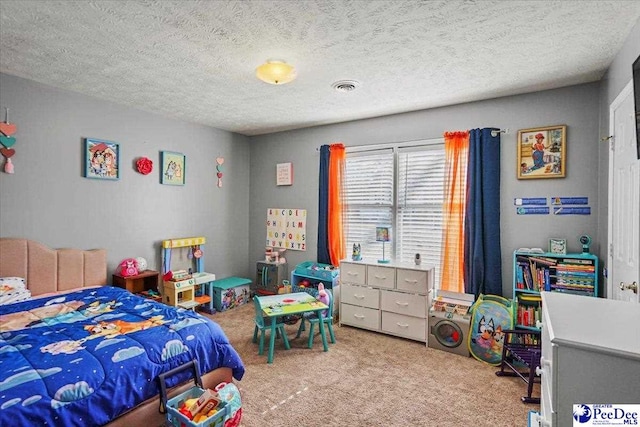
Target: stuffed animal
324	297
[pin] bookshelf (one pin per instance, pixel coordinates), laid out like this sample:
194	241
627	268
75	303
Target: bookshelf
535	272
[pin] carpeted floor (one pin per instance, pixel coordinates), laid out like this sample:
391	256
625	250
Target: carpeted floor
368	379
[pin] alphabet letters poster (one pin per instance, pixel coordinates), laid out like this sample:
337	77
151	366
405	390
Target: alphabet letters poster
286	228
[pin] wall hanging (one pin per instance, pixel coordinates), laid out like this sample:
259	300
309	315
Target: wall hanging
284	174
6	130
172	171
144	165
542	152
101	159
219	162
286	228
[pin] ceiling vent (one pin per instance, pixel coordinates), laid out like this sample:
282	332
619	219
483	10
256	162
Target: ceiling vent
346	85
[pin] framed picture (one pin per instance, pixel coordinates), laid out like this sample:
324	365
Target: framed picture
558	246
542	152
173	166
284	174
101	159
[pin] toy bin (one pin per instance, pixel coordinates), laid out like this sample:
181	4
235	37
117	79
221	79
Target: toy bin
318	270
176	419
230	292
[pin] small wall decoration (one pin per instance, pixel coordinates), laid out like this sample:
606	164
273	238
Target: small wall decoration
558	246
6	130
101	159
284	174
173	168
542	152
286	228
219	162
144	165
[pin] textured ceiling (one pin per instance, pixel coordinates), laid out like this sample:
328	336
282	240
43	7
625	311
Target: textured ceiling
195	60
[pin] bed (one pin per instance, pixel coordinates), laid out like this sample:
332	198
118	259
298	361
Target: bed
81	353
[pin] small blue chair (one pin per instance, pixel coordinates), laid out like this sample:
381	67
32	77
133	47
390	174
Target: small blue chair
326	317
263	324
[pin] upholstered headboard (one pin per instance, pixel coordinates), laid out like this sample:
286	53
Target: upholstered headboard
51	270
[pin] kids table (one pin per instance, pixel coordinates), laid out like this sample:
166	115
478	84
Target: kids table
285	304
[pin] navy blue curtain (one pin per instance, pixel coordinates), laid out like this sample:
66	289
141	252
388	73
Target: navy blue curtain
482	252
323	207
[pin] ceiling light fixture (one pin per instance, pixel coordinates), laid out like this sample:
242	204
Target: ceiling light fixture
276	72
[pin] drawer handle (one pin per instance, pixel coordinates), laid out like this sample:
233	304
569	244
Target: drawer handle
358	316
539	371
402	325
403	304
380	277
356	296
415	282
351	273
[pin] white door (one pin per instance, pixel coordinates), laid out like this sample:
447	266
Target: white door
624	201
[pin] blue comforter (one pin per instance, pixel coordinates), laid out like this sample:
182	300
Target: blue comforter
84	358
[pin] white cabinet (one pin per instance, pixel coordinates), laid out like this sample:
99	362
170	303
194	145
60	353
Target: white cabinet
390	298
590	354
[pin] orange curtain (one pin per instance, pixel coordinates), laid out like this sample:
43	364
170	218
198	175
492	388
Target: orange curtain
335	230
456	145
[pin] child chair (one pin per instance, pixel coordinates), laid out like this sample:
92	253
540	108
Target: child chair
326	316
521	354
263	324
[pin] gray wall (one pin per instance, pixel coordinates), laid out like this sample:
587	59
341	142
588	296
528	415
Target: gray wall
575	106
47	199
617	77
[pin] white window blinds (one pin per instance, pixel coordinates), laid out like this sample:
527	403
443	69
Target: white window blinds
401	186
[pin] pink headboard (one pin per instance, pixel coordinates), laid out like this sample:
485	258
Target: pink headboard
51	270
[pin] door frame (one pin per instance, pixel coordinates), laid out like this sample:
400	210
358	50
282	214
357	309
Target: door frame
628	90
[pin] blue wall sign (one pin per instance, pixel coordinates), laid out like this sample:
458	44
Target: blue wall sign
537	210
569	200
530	201
572	211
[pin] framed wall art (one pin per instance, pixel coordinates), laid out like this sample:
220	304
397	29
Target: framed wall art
542	152
172	171
101	159
284	174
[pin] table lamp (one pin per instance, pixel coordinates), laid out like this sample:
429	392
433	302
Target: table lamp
383	234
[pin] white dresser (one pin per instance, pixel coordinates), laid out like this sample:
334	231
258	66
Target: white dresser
590	354
388	298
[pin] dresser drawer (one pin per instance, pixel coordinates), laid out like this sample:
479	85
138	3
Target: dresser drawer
361	317
360	295
412	280
406	326
402	303
353	273
381	277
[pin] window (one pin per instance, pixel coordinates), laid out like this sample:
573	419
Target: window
400	185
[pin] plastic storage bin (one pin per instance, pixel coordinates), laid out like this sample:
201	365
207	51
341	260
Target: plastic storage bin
317	270
176	419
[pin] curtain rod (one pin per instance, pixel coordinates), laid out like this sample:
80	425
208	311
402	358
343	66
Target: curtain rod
495	133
